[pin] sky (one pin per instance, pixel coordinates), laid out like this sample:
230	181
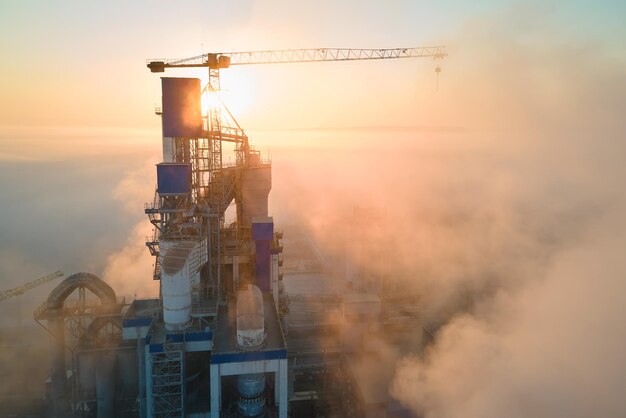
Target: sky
73	63
502	188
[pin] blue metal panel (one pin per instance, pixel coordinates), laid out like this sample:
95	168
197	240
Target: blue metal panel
262	265
173	178
263	231
248	356
156	348
136	322
199	336
182	117
190	336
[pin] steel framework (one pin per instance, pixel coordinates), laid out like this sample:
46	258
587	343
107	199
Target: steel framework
168	377
16	291
213	186
295	55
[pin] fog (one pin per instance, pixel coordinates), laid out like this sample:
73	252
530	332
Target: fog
67	199
509	233
516	250
503	204
547	341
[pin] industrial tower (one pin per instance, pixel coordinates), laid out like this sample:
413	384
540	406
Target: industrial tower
203	263
213	343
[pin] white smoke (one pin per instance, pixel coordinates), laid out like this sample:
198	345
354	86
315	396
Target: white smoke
129	270
552	344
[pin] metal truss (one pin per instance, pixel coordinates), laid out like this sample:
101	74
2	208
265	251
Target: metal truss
168	376
17	291
302	55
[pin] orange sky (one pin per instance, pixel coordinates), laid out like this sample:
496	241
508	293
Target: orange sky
71	64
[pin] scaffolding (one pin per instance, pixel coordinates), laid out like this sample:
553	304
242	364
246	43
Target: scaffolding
168	381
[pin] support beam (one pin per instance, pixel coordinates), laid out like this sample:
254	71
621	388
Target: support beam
274	271
216	391
277	387
141	359
283	389
235	272
148	370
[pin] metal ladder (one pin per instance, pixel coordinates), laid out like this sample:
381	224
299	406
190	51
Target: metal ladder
168	377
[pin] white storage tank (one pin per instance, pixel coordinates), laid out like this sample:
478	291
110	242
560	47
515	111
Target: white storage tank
175	283
250	318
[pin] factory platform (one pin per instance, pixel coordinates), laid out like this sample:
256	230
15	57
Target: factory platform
227	359
225	349
141	322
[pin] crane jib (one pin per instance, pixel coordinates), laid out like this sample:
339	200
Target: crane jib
226	59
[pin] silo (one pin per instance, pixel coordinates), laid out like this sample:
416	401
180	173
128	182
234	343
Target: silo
250	337
175	283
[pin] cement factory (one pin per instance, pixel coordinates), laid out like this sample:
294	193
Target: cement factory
229	335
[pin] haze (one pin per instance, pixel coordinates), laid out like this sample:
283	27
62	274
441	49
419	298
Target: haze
503	188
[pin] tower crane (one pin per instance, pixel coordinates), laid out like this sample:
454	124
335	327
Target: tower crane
223	60
17	291
204	151
225	127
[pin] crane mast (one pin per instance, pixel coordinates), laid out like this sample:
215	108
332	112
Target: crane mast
221	124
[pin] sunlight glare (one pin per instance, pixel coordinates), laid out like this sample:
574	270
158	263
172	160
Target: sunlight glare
238	89
209	100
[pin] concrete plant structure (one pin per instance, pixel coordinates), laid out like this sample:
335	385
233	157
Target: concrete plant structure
216	316
213	344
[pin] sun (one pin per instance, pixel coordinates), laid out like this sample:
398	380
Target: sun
237	93
239	96
209	101
239	100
